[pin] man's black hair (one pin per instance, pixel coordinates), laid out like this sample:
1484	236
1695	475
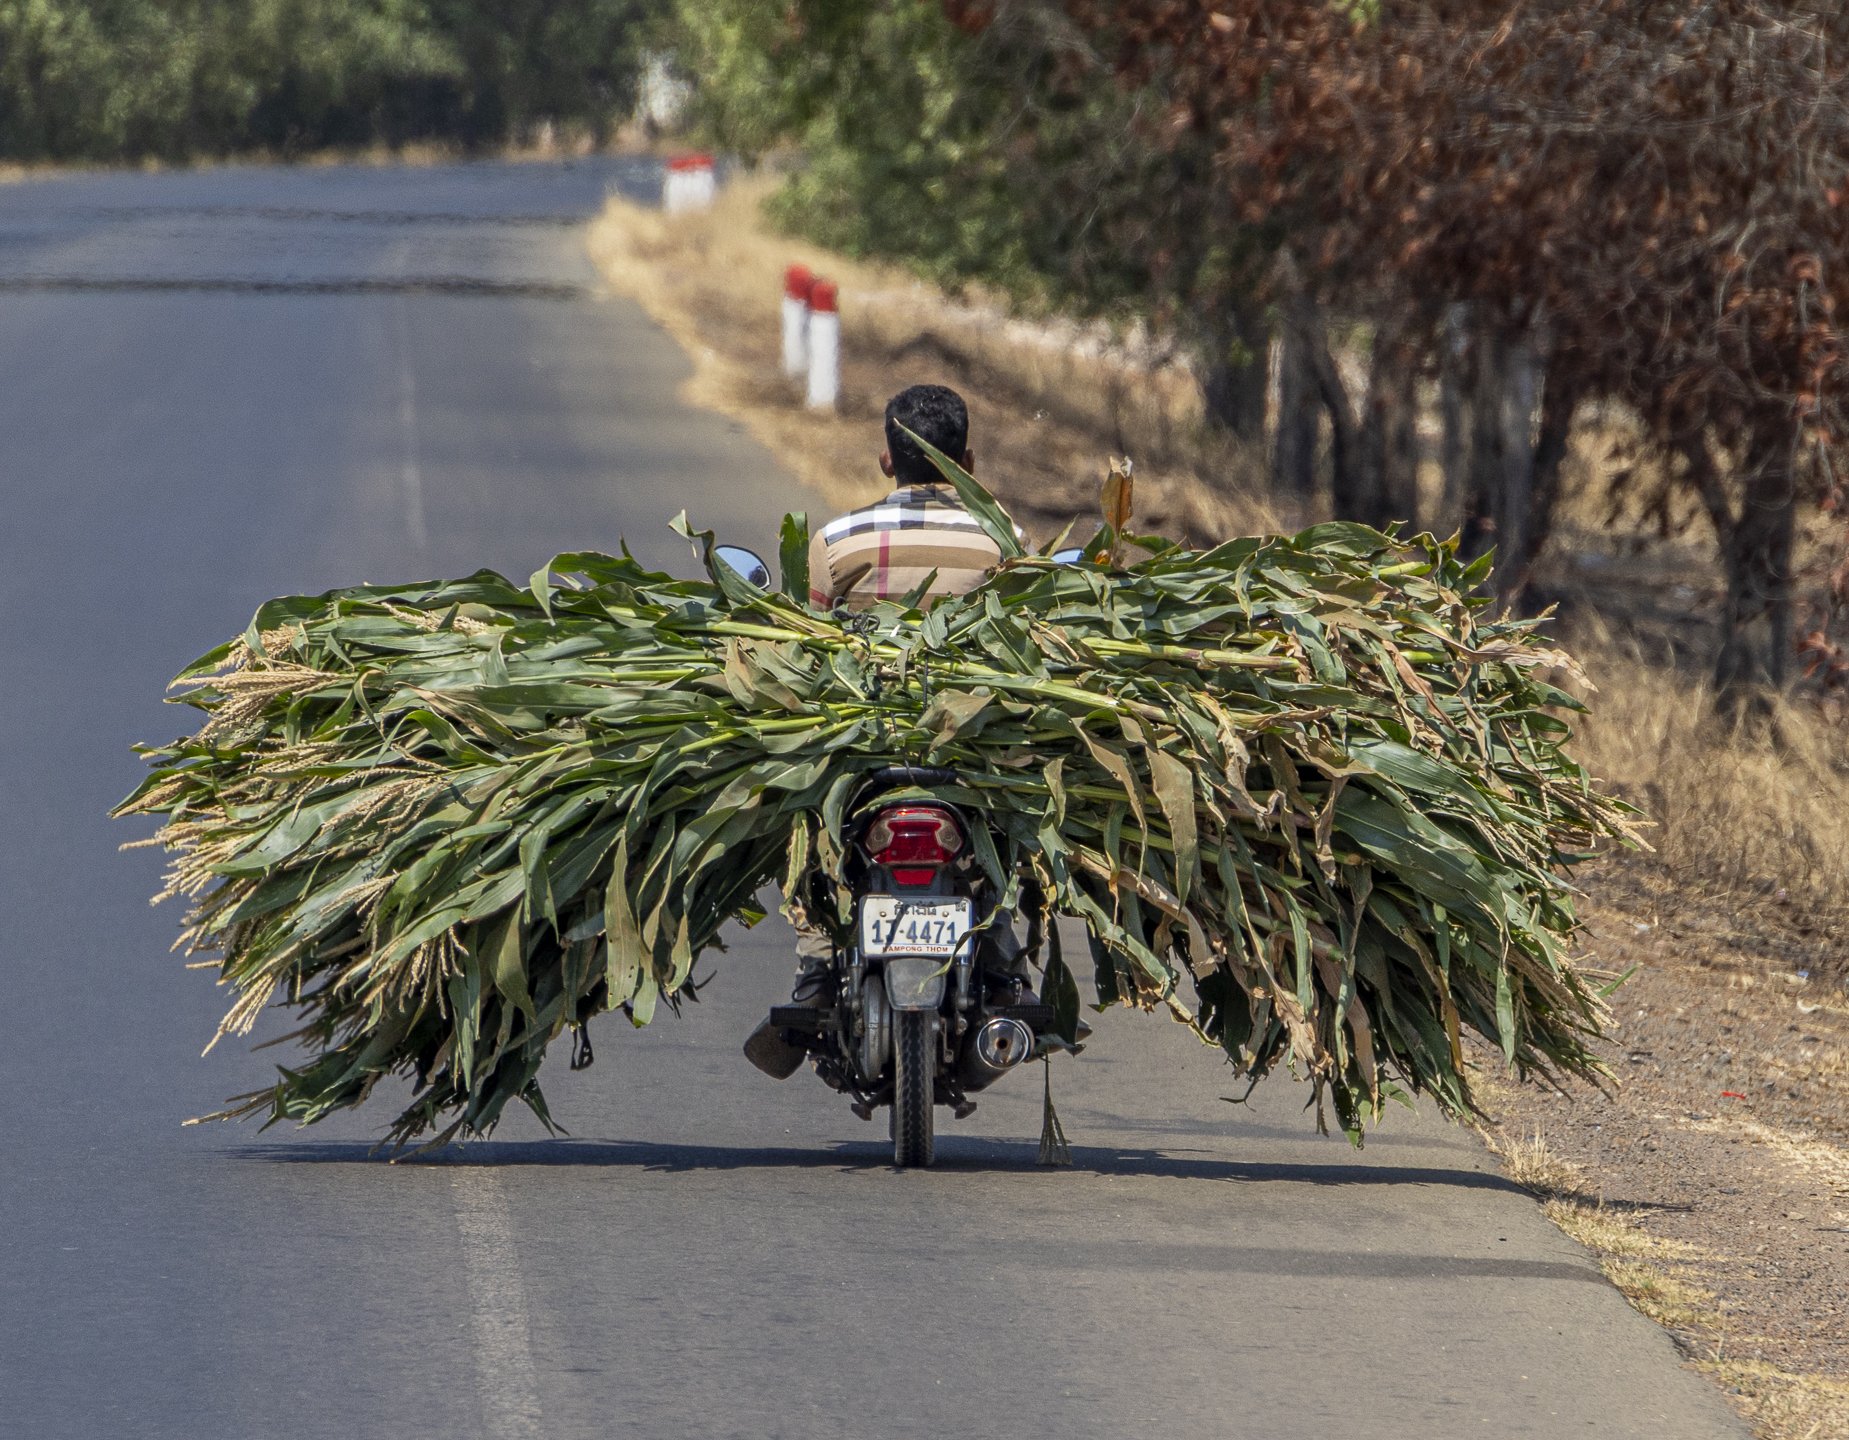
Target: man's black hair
937	414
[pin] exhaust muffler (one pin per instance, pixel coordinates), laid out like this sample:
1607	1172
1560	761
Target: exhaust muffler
995	1048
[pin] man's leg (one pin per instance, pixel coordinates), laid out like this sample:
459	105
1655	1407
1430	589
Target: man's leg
815	967
766	1046
1003	956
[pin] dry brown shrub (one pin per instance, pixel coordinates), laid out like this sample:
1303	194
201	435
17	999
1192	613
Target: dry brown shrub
1750	820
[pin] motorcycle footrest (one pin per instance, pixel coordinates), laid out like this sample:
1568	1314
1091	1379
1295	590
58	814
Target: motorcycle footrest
1034	1017
803	1018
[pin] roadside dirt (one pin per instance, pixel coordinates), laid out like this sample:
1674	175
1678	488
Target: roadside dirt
1713	1182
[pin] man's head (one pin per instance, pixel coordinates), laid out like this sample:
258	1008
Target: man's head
935	413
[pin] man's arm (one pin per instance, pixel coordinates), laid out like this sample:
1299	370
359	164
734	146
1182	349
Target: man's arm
821	577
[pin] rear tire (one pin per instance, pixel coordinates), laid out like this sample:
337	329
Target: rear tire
914	1071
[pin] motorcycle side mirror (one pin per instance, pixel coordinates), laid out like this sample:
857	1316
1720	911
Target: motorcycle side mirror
745	564
1071	555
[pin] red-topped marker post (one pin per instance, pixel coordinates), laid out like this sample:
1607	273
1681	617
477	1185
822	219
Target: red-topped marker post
797	283
824	346
688	184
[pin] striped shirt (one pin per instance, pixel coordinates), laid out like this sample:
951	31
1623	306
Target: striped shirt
887	550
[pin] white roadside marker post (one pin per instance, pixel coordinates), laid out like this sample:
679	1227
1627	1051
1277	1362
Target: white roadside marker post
797	282
689	184
701	185
674	187
824	346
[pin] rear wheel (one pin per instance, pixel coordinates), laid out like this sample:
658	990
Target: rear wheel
914	1070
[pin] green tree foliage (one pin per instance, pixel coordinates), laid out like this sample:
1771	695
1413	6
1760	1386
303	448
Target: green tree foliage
955	152
988	143
523	60
115	79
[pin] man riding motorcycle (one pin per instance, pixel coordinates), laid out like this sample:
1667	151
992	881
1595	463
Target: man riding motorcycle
885	551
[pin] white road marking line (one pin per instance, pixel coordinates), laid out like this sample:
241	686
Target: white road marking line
506	1381
410	473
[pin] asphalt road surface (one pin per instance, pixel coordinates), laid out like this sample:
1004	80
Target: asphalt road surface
218	387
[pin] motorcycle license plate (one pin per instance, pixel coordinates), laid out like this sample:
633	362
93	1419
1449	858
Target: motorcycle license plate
892	926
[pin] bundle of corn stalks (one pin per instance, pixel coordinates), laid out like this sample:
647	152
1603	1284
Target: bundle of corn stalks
1303	791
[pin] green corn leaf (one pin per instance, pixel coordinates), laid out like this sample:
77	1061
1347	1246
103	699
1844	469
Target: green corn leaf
994	520
793	556
508	953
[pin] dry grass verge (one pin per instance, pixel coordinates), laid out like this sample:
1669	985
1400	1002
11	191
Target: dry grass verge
570	144
1706	1185
1783	1406
1750	824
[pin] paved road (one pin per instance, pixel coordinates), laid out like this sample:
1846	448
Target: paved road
221	386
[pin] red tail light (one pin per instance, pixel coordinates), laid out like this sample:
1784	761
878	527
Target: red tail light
913	842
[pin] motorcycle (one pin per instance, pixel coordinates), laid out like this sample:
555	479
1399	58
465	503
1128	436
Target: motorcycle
923	1006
